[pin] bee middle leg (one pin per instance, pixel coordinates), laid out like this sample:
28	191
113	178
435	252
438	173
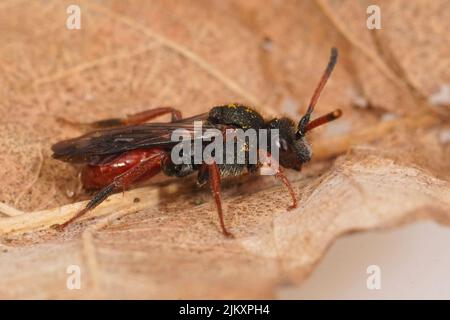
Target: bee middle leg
213	173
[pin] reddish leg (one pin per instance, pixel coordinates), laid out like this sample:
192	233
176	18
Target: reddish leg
121	182
137	118
147	115
279	174
214	182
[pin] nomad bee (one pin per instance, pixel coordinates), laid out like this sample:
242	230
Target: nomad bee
120	152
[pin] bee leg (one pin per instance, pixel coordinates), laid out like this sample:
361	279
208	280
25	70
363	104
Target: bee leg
147	115
214	183
98	198
279	174
136	118
120	182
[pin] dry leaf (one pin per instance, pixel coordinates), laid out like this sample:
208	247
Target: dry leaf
392	166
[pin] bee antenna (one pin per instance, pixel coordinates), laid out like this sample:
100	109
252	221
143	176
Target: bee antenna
301	129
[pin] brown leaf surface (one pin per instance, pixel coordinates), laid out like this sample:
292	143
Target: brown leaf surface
392	144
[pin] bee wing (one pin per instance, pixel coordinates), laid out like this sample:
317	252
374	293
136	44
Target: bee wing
101	146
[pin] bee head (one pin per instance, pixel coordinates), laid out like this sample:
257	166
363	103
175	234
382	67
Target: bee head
294	149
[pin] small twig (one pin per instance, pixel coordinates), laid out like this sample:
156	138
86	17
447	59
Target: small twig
18	222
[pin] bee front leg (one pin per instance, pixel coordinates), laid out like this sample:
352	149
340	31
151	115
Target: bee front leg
279	174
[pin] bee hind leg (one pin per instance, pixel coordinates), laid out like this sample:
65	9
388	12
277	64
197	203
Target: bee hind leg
151	164
136	118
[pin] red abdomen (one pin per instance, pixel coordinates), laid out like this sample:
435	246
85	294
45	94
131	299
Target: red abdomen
98	176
